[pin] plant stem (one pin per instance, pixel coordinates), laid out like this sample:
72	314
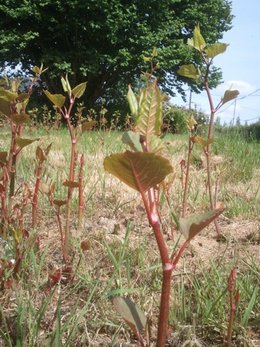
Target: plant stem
36	193
81	198
164	305
207	150
71	179
184	200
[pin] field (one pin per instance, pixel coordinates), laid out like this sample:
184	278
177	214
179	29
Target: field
120	255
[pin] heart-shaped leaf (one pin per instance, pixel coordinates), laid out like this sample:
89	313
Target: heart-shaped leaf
132	139
229	95
57	99
139	170
189	71
214	50
79	90
24	142
131	314
192	225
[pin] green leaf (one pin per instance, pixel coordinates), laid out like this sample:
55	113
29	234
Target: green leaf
130	313
79	90
57	99
229	95
132	101
19	118
213	50
198	40
201	141
65	85
87	125
132	139
139	170
189	71
8	95
149	121
192	225
24	142
251	304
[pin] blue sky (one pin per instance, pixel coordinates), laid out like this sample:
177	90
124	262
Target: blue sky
240	65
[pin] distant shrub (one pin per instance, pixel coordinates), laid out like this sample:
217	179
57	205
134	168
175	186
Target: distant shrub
175	120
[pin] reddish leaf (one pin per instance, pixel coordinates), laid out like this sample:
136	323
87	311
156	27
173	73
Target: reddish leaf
55	277
85	245
192	225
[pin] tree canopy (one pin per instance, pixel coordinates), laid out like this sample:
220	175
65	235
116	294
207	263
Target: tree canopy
104	41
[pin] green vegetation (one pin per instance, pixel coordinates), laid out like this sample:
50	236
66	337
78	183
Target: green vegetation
74	242
119	259
104	42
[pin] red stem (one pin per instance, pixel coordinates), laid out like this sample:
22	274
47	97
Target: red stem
36	194
81	197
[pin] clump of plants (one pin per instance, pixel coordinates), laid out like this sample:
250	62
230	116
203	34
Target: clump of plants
144	168
206	53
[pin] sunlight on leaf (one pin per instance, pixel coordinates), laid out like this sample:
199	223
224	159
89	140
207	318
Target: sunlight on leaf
141	171
149	121
229	95
57	99
213	50
132	101
79	90
25	142
189	71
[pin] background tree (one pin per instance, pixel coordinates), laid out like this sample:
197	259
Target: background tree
104	41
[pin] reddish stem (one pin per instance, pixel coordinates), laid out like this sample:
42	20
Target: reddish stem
36	194
81	197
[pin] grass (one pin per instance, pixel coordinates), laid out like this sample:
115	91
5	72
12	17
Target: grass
122	259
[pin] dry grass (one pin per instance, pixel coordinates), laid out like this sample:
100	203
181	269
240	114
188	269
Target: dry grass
123	258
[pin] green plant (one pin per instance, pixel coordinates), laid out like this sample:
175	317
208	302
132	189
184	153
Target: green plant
143	169
58	101
207	53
